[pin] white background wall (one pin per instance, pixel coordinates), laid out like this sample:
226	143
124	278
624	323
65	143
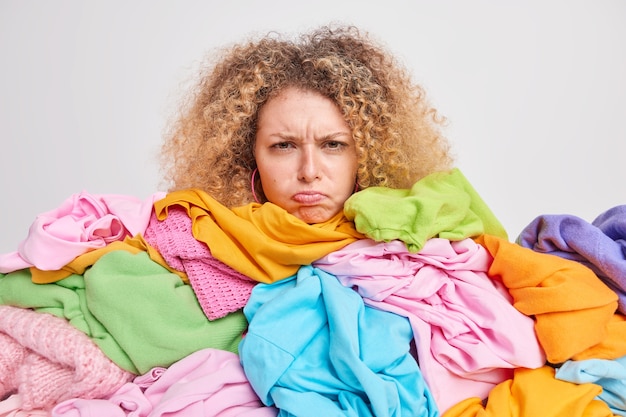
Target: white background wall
535	92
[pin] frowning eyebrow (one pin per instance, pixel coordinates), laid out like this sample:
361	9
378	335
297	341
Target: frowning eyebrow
330	136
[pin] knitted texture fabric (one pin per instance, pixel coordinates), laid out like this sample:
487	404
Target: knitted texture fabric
45	360
220	290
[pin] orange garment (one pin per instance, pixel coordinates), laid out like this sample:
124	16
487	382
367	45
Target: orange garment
613	346
535	393
572	307
261	241
79	264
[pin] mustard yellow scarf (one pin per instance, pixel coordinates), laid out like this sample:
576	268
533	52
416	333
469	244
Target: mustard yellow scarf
262	241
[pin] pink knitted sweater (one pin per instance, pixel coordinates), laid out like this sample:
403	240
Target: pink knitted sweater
45	360
219	288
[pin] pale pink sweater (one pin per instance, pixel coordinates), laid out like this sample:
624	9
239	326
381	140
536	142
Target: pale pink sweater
45	360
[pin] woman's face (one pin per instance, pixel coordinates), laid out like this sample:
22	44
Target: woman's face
305	154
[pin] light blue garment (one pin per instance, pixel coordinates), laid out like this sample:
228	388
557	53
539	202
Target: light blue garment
314	349
609	374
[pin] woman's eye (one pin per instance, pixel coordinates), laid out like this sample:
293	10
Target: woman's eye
334	144
282	145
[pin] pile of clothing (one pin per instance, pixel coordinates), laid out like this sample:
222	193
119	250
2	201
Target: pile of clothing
412	302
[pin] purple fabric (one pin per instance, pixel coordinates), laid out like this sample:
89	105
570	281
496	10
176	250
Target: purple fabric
600	245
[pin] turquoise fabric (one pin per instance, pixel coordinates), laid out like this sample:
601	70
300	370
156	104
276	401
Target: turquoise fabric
314	349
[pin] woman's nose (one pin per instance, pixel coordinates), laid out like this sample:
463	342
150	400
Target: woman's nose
310	166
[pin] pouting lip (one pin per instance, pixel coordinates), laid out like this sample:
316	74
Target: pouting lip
308	197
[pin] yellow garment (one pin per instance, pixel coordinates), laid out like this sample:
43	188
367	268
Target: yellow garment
572	307
263	242
79	264
535	393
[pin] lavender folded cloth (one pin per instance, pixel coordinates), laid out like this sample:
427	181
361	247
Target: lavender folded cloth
600	245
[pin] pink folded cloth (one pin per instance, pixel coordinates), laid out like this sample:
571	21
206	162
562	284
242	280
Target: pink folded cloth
208	382
219	288
469	337
11	407
45	360
82	223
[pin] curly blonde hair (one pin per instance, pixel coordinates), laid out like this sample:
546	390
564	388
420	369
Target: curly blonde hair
397	133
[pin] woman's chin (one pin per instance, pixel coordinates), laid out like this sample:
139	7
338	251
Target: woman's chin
314	214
